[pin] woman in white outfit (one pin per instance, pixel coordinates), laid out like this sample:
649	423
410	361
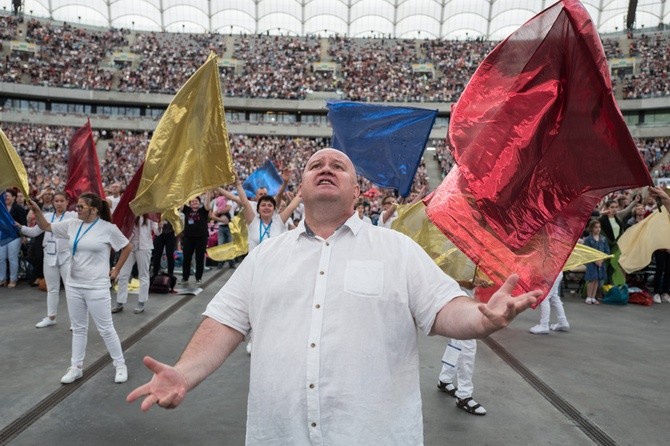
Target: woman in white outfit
142	244
56	256
90	238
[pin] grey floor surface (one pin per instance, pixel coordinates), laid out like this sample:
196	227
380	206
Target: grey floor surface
607	381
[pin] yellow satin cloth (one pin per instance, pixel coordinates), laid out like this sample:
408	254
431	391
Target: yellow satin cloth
12	171
640	241
239	246
189	152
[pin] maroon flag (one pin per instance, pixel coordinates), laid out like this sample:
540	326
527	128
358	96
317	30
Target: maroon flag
83	167
538	140
123	216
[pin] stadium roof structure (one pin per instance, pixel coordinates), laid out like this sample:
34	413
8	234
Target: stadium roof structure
452	19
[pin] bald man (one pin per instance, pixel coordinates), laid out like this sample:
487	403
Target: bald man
335	357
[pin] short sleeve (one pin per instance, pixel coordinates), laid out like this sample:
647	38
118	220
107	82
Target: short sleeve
116	238
429	288
230	306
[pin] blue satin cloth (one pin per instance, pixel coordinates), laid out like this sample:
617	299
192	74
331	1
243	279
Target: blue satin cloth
265	176
384	143
8	231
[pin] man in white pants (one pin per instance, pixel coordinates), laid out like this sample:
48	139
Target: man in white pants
142	244
458	365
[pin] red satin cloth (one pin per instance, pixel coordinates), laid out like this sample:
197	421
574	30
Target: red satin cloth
538	140
83	167
123	216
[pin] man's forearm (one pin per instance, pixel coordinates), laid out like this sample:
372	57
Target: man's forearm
461	319
209	347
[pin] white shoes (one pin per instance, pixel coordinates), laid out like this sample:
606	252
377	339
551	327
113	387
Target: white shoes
73	374
665	297
539	329
121	374
560	326
657	299
46	322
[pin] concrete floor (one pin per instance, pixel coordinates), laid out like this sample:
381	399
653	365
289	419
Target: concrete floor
605	382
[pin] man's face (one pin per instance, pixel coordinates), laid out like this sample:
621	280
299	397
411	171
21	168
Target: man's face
261	192
115	188
329	175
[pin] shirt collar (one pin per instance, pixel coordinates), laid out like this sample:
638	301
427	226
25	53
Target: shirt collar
353	223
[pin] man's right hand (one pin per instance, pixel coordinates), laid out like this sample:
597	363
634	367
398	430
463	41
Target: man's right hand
167	387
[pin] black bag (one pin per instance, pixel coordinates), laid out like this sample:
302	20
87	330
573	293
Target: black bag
162	283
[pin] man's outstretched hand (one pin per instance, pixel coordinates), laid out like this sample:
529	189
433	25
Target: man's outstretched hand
167	387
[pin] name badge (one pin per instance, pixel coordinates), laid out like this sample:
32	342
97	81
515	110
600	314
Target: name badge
50	248
190	221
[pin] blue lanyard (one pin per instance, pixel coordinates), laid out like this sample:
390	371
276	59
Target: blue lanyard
264	231
54	216
77	238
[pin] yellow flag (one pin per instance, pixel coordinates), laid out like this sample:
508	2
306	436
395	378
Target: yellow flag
640	241
189	152
12	171
413	222
239	246
582	254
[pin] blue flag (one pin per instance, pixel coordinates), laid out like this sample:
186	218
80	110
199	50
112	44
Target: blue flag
384	143
8	231
265	176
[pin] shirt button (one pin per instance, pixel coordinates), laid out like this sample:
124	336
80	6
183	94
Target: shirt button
327	244
322	273
317	306
311	386
312	345
313	424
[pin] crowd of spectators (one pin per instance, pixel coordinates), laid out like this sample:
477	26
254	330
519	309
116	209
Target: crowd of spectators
43	150
281	67
653	78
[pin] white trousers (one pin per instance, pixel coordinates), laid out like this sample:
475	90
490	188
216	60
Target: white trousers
553	299
52	276
80	303
458	365
143	258
10	252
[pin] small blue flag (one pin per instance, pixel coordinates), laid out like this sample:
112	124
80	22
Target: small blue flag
8	231
385	143
265	176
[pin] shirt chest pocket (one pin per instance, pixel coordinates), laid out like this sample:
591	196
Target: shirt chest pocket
364	277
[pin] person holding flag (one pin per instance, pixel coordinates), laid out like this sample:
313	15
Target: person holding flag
90	237
56	256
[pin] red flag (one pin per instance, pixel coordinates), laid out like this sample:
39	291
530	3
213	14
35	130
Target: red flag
538	140
123	216
83	167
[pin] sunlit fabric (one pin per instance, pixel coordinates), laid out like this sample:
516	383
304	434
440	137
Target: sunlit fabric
83	167
8	231
413	222
265	176
238	247
385	143
189	152
12	171
123	216
582	254
639	242
538	141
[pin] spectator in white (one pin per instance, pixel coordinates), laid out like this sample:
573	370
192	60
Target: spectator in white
350	292
553	299
91	237
458	365
360	212
114	196
142	243
56	256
